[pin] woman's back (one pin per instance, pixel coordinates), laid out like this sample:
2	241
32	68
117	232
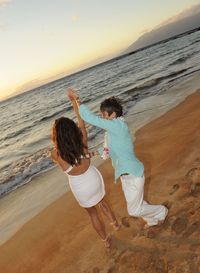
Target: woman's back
79	169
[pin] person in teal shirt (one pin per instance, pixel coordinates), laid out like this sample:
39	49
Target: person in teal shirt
119	146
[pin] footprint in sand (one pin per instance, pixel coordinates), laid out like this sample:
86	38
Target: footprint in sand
179	225
195	190
154	231
193	179
167	204
150	233
130	261
193	176
194	227
125	222
174	189
96	270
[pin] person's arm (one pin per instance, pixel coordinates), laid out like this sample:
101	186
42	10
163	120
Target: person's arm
81	124
58	160
88	116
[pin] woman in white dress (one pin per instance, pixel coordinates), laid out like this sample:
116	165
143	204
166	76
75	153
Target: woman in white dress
71	154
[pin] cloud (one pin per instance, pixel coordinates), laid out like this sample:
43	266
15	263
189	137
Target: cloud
192	10
3	3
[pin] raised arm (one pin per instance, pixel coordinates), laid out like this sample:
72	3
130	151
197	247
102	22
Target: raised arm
88	116
73	97
108	125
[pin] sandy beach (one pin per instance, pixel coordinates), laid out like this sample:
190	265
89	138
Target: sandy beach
60	239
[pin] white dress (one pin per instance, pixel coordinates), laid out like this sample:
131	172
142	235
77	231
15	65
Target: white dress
88	188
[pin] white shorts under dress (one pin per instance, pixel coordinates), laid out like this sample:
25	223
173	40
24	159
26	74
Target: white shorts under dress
88	188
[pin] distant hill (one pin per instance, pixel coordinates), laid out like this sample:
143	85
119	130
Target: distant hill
181	23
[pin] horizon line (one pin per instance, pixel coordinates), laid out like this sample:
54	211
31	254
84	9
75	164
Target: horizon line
101	63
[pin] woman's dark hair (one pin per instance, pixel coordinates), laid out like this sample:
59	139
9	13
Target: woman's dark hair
69	140
111	105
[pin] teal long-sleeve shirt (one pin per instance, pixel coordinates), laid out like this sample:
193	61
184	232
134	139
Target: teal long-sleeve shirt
120	143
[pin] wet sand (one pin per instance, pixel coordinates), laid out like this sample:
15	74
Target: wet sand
60	239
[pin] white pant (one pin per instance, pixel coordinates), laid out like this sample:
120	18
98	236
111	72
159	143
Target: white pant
133	188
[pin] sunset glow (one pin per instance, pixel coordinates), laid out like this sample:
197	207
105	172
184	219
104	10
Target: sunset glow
41	40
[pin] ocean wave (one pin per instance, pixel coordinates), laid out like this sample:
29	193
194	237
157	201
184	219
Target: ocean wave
48	117
185	75
64	104
196	41
16	133
182	59
123	77
144	85
21	172
135	91
93	133
20	131
85	100
149	83
176	73
179	60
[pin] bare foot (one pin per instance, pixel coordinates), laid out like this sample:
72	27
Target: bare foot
146	226
115	225
160	222
107	241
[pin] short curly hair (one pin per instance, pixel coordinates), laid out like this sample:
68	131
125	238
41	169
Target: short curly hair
111	105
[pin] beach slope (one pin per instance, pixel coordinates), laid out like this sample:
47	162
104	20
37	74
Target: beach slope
61	240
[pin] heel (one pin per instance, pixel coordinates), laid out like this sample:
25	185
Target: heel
107	241
115	225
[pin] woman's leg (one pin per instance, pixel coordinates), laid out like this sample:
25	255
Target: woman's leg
109	213
98	225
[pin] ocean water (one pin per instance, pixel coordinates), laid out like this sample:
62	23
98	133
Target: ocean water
26	120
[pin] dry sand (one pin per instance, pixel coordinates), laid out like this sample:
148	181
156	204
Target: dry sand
61	240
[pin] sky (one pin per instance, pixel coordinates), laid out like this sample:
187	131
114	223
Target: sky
42	40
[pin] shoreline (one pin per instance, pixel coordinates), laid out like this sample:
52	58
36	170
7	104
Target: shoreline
60	238
22	171
22	204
